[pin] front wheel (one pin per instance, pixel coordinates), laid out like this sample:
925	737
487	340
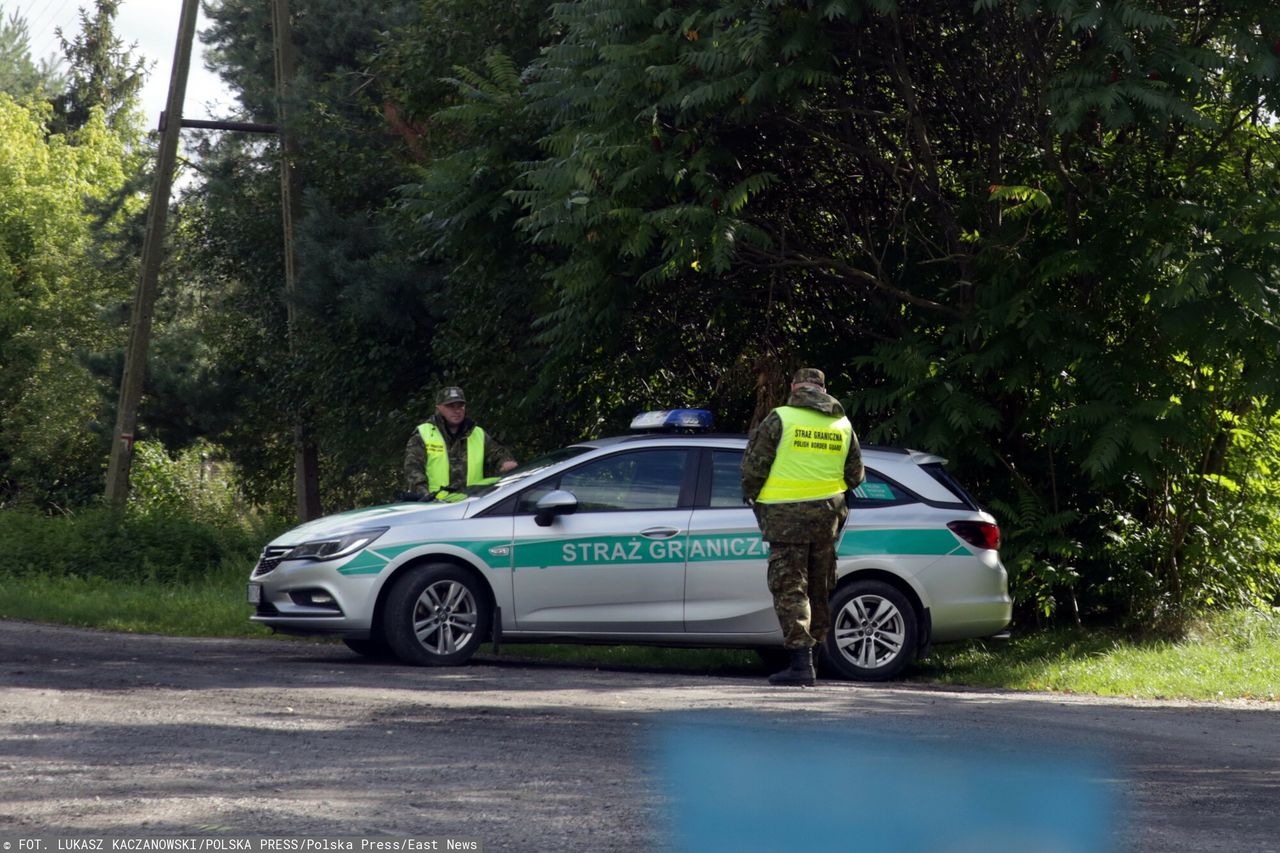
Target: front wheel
874	633
436	616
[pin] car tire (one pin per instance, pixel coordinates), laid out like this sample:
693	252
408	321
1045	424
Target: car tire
436	615
372	647
874	632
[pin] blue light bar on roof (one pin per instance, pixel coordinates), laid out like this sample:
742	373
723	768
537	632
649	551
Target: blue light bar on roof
699	420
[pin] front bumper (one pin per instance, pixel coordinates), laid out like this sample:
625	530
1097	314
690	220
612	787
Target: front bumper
311	597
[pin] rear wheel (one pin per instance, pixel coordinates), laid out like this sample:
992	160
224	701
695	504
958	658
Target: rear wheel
436	615
874	631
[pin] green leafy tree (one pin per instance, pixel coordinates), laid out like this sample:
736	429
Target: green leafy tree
52	299
1038	239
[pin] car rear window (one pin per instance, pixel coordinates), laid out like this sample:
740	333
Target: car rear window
944	478
875	489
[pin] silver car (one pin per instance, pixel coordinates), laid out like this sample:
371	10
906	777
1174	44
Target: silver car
636	539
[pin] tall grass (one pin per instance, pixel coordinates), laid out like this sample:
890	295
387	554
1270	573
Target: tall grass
212	607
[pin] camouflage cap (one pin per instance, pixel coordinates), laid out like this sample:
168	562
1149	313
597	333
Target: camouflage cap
450	394
809	376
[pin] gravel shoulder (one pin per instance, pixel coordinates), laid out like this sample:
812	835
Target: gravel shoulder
133	735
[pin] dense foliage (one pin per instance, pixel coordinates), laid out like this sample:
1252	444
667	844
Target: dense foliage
55	286
73	153
185	523
1039	238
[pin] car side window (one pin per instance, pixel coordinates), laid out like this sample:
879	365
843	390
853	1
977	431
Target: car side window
644	479
726	480
875	489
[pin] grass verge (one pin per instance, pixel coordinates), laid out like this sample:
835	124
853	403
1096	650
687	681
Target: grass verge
211	607
1232	655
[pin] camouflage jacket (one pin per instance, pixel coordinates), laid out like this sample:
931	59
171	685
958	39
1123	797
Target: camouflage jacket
778	520
415	456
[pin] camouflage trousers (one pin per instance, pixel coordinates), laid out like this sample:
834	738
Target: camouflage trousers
801	575
802	565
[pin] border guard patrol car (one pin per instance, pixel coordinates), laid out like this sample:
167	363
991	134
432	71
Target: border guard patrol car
638	539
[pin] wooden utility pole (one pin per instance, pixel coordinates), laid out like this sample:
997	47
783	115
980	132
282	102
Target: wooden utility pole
144	300
306	458
307	480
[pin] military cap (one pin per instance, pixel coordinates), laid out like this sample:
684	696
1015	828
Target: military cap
809	376
450	394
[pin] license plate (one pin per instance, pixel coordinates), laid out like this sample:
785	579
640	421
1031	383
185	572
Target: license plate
255	593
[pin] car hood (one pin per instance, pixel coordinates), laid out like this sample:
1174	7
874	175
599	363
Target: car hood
391	515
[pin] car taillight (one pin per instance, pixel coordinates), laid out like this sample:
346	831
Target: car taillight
979	534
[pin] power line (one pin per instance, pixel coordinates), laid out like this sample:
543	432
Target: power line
45	24
46	18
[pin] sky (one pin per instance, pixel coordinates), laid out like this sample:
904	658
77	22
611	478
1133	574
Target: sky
151	25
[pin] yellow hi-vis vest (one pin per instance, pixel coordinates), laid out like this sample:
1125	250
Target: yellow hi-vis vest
809	465
438	456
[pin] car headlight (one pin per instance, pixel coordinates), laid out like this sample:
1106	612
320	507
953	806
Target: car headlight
335	547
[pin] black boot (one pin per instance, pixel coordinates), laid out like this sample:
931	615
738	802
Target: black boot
800	673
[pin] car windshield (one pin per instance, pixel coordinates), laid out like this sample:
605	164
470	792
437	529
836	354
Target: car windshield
528	469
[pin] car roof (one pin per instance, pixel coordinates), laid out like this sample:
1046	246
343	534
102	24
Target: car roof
878	452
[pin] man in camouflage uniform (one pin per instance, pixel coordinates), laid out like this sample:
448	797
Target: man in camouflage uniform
799	463
472	456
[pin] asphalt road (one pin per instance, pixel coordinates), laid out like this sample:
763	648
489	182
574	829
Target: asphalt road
127	735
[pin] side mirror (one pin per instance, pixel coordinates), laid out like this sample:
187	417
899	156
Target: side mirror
553	504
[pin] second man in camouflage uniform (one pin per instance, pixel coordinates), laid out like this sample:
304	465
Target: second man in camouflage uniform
798	464
450	452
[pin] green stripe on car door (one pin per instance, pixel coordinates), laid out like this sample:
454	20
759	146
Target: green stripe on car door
863	543
621	550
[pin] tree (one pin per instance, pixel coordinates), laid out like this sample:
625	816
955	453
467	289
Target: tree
1036	237
20	75
365	357
53	293
103	72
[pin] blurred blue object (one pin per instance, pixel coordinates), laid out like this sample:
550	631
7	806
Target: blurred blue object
741	786
674	420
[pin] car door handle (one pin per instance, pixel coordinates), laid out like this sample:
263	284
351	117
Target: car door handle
659	532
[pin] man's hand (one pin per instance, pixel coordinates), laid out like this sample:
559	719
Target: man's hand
507	466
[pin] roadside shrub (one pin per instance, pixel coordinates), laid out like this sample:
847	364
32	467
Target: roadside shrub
184	520
1216	545
195	483
1207	542
128	546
